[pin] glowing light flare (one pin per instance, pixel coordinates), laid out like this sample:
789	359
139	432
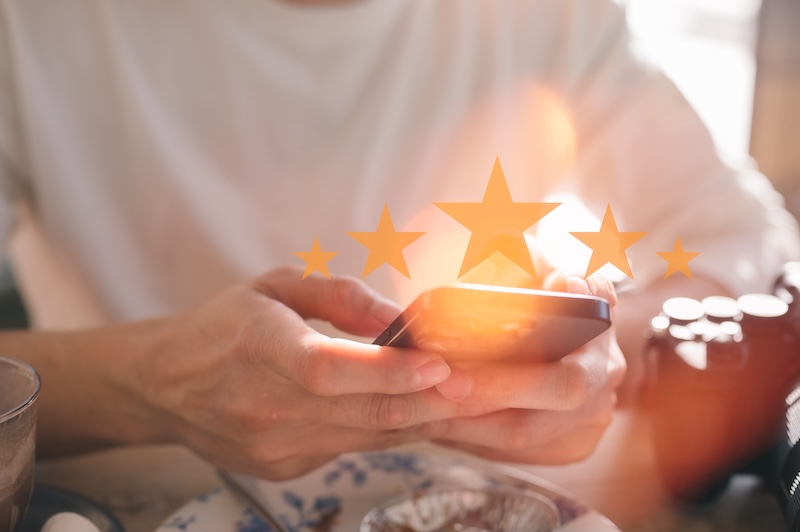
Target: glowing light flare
528	126
438	257
476	324
553	132
564	252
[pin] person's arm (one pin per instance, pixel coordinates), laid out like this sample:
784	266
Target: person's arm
247	384
242	379
643	150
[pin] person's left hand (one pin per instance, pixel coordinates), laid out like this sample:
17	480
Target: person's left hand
547	413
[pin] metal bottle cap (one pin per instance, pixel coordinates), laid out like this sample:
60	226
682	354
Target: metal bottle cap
682	310
762	306
721	308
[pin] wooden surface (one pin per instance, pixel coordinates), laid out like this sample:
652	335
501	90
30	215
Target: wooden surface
144	485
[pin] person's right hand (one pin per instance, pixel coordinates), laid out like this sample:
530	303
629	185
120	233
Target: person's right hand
245	382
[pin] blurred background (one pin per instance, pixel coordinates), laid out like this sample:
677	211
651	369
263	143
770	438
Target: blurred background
738	63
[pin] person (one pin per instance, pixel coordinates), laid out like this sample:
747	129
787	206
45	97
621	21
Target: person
157	158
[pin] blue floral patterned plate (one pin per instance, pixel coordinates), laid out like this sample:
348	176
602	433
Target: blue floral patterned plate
336	497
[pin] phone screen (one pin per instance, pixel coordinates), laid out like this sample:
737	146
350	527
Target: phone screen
485	322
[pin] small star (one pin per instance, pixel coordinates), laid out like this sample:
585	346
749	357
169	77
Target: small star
316	260
497	224
609	245
678	259
385	245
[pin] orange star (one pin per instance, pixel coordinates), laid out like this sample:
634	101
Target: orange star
678	259
386	245
316	260
609	245
497	224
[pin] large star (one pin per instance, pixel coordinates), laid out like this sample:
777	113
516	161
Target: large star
609	245
385	245
316	260
678	259
497	224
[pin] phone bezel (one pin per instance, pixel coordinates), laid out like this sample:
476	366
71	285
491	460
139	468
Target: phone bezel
576	318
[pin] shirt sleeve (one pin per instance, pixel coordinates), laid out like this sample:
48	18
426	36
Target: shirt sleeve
644	151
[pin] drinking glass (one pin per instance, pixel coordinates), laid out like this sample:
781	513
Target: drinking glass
19	389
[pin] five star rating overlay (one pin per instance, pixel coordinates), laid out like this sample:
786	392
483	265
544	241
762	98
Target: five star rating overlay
609	245
316	260
678	259
386	245
497	224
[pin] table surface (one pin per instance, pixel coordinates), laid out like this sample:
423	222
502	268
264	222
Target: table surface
142	486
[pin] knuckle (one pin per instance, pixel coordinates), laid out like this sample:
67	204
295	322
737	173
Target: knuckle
619	368
244	342
251	344
256	419
388	411
343	289
575	385
253	420
504	388
316	373
284	271
350	292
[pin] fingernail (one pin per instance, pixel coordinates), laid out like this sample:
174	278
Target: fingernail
577	285
593	288
556	282
457	386
430	374
384	310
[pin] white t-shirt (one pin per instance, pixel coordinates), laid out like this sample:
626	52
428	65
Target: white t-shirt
153	152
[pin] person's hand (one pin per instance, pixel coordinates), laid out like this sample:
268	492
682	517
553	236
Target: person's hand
249	385
547	413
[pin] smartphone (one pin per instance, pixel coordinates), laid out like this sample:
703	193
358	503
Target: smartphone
482	322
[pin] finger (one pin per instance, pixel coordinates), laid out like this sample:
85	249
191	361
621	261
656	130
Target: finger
291	468
566	450
562	385
601	286
596	285
346	302
522	431
370	411
280	340
272	470
288	453
333	366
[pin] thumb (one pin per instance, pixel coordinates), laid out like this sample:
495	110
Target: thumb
346	302
596	285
